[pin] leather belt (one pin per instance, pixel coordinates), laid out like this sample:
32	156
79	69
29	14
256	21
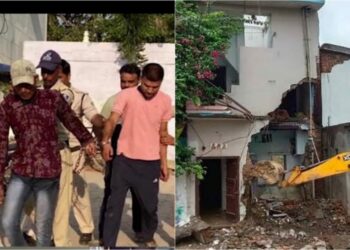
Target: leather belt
76	148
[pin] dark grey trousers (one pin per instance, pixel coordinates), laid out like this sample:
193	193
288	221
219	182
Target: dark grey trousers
143	178
136	208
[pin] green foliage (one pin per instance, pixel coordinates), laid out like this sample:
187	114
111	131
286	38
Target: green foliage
5	84
5	87
134	29
201	38
131	31
186	164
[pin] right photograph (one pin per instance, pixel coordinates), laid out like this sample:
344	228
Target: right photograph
262	124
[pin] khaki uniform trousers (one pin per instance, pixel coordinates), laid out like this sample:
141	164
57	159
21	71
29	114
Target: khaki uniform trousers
81	195
61	219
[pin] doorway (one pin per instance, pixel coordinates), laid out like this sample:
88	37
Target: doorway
218	192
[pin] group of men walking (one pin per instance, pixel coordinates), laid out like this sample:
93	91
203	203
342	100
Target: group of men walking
52	144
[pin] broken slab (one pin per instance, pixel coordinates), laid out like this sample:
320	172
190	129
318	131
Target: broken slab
196	228
201	232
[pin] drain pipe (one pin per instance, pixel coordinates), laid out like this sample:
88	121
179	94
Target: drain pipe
305	10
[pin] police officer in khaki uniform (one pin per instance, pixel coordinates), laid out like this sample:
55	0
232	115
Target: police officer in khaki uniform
83	107
50	64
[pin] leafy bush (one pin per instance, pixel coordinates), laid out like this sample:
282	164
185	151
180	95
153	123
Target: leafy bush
201	38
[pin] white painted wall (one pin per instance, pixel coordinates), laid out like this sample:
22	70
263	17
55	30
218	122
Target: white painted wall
235	133
185	199
95	68
18	28
337	140
203	132
335	95
266	73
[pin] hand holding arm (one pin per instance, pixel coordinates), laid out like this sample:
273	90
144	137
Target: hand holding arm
167	140
90	148
164	173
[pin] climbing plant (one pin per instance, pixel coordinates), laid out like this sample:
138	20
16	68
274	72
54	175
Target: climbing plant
202	37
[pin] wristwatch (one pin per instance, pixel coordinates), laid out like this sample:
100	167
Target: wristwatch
105	142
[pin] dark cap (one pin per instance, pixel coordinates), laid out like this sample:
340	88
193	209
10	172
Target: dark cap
49	60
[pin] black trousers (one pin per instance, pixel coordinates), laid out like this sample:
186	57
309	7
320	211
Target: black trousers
143	178
136	207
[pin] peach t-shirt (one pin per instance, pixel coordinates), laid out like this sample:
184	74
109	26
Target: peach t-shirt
139	138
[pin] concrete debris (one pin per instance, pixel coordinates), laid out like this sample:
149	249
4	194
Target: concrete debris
264	243
301	235
302	230
269	171
279	115
318	213
292	233
224	245
196	227
215	242
261	230
307	247
276	213
226	231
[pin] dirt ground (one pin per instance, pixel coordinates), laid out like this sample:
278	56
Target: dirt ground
165	234
314	224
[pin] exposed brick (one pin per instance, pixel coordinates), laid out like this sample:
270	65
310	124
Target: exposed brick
328	59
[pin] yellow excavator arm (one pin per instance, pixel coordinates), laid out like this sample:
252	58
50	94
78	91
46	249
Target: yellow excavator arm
336	165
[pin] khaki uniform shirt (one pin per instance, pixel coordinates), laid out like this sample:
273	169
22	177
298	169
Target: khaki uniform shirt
67	93
83	106
107	107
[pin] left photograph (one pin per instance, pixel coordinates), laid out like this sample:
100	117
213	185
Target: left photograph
87	129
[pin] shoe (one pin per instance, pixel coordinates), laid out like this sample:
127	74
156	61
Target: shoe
85	239
29	239
152	243
138	238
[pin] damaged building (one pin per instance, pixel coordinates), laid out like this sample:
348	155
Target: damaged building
269	74
335	75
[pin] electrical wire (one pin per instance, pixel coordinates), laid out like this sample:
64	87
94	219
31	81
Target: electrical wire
234	139
4	25
196	132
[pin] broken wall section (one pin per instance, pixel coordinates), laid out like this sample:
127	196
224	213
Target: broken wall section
335	89
335	75
285	139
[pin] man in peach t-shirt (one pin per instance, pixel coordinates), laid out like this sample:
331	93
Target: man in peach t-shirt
145	112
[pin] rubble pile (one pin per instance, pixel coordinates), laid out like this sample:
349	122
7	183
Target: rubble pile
270	171
279	115
314	224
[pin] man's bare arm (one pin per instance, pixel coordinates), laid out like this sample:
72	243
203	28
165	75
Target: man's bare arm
109	126
98	122
163	153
